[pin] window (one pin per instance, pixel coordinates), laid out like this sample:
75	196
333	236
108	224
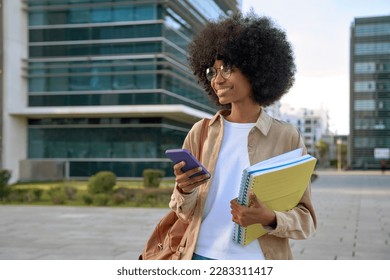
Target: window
372	48
101	15
364	142
364	67
86	15
372	29
364	105
101	142
79	16
365	86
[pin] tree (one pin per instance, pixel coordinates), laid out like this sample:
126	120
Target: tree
322	149
5	175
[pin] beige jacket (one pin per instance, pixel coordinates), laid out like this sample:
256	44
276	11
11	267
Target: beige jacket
269	137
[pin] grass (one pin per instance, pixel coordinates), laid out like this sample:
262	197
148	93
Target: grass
82	185
127	193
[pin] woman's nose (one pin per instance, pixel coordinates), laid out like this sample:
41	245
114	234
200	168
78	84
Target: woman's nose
218	77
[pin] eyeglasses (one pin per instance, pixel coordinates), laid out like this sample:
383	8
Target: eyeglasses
211	72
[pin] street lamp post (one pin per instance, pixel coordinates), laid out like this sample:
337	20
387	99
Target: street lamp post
339	142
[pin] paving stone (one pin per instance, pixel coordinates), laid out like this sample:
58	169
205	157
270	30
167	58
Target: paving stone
353	214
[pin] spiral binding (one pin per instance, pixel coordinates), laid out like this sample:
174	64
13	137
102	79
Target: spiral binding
242	199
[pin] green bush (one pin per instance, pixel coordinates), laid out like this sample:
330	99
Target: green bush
5	175
152	177
153	197
57	195
127	193
18	195
70	192
118	198
88	199
31	195
101	199
102	182
36	194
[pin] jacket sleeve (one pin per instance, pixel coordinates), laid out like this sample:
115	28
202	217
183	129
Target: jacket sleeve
184	204
300	222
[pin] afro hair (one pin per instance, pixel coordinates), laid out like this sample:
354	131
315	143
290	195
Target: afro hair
254	45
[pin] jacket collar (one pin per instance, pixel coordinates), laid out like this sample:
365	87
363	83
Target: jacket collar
263	123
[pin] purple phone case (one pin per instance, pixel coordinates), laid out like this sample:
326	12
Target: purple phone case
178	155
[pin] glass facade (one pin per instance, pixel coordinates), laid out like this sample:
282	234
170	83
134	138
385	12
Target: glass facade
90	143
113	82
96	53
369	91
372	29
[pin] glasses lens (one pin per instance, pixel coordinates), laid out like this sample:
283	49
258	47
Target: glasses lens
210	73
226	71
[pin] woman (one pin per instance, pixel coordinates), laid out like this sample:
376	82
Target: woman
244	63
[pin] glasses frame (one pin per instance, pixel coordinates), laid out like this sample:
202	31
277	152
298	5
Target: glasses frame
212	72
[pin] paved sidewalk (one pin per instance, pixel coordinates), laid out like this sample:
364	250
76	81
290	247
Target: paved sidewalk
353	212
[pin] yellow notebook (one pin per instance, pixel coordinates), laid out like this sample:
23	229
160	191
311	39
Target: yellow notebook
278	182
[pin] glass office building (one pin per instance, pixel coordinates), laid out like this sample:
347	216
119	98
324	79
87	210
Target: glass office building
108	84
369	92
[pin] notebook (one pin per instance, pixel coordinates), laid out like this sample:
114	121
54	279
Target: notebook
279	182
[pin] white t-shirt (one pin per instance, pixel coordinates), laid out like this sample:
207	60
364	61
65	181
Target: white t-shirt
216	232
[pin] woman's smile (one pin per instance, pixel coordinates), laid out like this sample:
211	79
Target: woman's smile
222	91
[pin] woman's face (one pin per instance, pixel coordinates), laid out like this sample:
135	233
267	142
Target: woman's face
234	89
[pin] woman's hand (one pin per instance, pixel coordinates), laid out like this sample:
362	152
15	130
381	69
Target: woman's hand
185	184
255	213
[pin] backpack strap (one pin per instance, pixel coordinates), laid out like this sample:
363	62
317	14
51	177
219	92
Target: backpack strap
203	135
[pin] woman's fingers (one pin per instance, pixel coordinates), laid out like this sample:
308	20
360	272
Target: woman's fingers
185	180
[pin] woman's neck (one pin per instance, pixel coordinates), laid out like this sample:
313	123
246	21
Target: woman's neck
250	114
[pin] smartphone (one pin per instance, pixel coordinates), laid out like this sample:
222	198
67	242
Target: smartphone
178	155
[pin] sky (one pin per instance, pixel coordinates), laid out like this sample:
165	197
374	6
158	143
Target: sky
319	32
